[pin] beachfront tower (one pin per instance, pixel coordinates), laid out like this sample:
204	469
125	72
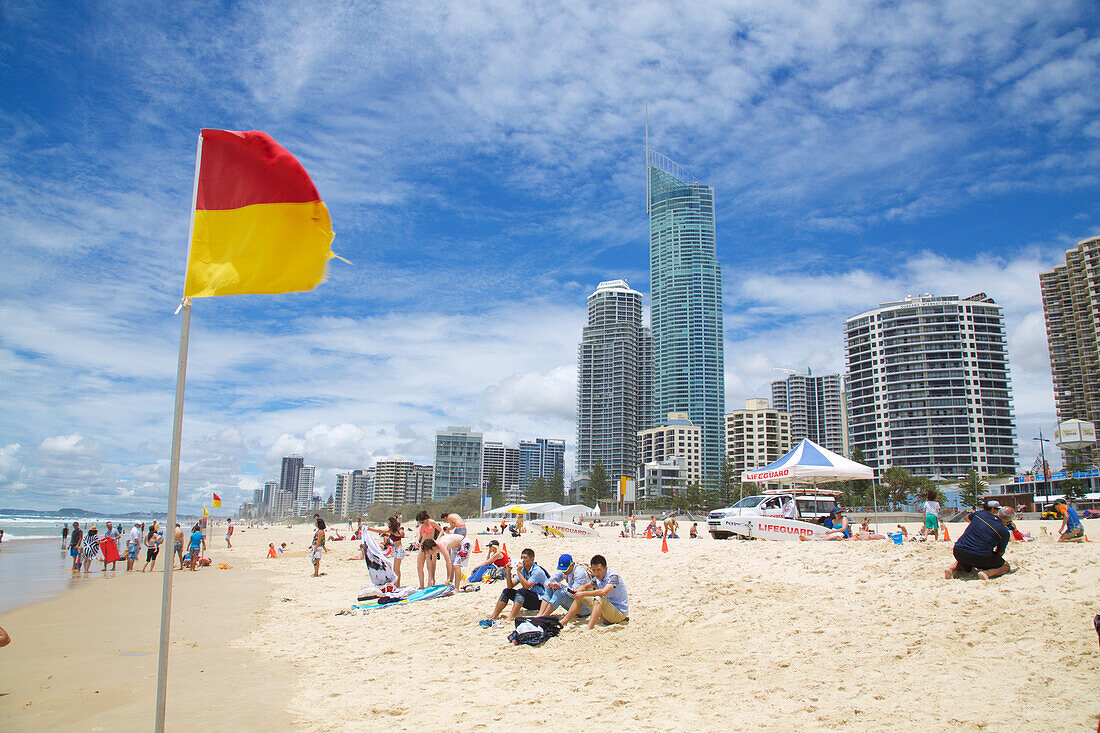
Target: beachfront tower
816	406
1071	304
686	304
928	386
458	453
614	388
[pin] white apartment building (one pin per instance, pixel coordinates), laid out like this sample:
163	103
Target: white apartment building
756	436
678	437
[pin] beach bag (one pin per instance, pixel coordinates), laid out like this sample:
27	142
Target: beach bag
534	631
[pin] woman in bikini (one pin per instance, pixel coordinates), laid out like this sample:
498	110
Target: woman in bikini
317	547
427	529
394	532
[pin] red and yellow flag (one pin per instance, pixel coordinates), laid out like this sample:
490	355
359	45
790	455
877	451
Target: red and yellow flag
260	226
217	501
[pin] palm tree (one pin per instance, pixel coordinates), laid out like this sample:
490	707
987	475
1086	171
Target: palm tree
971	487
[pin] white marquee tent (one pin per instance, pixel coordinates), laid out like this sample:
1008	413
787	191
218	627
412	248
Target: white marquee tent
546	510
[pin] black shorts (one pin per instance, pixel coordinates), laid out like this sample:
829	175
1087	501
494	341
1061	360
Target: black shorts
528	598
968	562
150	553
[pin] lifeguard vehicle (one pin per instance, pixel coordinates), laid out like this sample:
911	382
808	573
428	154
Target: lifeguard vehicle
761	516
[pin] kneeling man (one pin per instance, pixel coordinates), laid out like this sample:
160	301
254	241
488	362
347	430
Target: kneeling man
982	545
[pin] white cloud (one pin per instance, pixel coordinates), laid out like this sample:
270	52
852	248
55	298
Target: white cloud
535	393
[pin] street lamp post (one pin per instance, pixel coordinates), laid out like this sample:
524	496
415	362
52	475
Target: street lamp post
1043	458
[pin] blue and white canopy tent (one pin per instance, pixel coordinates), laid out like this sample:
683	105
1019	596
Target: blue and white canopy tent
809	463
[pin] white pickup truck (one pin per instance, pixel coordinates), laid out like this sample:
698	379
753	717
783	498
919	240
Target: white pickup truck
725	523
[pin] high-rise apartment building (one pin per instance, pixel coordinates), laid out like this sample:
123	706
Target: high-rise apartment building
816	407
419	489
394	480
928	386
282	503
341	497
503	462
540	458
1071	306
756	436
676	437
303	495
288	478
686	303
270	487
362	490
614	380
457	462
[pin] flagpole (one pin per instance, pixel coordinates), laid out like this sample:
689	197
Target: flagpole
174	474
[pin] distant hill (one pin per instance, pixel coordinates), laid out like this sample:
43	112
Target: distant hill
77	512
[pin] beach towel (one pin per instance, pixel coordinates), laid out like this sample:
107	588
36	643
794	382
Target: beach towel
423	594
379	567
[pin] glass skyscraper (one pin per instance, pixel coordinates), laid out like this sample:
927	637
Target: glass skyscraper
686	304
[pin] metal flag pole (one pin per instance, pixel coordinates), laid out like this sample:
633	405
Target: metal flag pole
174	474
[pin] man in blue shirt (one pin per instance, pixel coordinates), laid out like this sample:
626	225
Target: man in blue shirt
1071	530
982	545
563	584
605	596
526	590
198	542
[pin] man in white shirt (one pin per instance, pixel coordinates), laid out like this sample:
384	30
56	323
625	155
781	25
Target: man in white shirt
790	509
133	546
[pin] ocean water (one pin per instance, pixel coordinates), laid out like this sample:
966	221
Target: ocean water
34	567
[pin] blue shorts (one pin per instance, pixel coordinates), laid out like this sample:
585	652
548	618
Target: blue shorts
72	552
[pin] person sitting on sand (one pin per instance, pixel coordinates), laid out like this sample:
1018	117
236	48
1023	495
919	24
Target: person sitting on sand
982	545
281	548
271	550
1071	530
526	589
563	584
694	532
841	529
496	558
605	596
866	533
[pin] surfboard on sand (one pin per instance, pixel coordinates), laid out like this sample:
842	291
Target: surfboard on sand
109	549
432	591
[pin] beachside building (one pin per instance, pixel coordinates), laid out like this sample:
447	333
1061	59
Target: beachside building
663	478
816	406
503	462
540	458
341	497
928	388
419	489
362	491
677	437
282	504
303	494
1071	307
686	304
614	381
288	478
458	453
756	436
270	487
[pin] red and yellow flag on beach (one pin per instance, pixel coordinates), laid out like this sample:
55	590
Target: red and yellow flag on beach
260	226
217	501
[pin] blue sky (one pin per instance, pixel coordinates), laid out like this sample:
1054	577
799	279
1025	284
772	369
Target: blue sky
483	166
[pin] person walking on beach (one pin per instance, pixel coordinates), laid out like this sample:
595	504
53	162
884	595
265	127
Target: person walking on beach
74	545
112	534
90	548
133	546
317	547
198	544
229	534
427	529
177	544
152	549
982	545
1071	530
64	536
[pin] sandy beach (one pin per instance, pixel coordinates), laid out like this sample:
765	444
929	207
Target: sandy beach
722	635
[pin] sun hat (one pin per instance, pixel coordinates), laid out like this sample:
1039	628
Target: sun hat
564	562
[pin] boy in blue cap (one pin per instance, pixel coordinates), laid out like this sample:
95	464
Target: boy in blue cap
563	584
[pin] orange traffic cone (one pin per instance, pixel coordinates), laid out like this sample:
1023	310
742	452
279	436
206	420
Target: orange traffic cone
664	544
477	546
504	549
946	537
649	533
